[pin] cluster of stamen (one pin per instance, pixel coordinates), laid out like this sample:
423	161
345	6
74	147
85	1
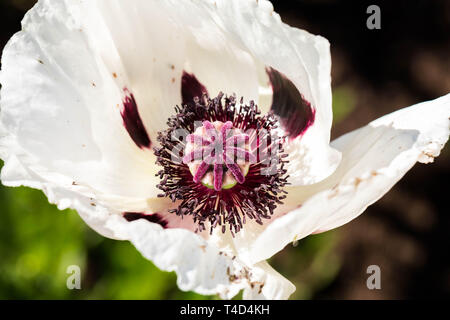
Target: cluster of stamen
228	168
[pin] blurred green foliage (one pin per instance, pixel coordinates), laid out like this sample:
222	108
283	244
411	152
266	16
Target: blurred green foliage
38	242
344	102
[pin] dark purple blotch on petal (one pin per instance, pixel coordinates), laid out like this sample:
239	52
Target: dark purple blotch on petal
154	217
133	122
191	88
296	114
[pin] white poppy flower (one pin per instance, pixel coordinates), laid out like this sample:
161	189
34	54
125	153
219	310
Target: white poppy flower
88	85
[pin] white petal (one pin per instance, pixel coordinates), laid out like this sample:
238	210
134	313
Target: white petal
311	159
268	284
199	266
148	45
305	60
389	147
375	157
141	50
202	267
59	112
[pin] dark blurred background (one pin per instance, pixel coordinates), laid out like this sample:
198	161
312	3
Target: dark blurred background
406	233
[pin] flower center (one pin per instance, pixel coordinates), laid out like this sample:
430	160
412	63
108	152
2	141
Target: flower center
222	163
218	155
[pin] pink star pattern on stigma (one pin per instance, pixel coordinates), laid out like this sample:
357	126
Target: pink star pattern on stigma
218	147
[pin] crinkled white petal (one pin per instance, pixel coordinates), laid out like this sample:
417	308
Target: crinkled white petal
375	157
60	114
311	159
267	283
201	267
148	45
305	60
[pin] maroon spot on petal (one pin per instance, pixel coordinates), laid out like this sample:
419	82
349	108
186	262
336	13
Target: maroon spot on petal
191	88
154	217
296	114
133	122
